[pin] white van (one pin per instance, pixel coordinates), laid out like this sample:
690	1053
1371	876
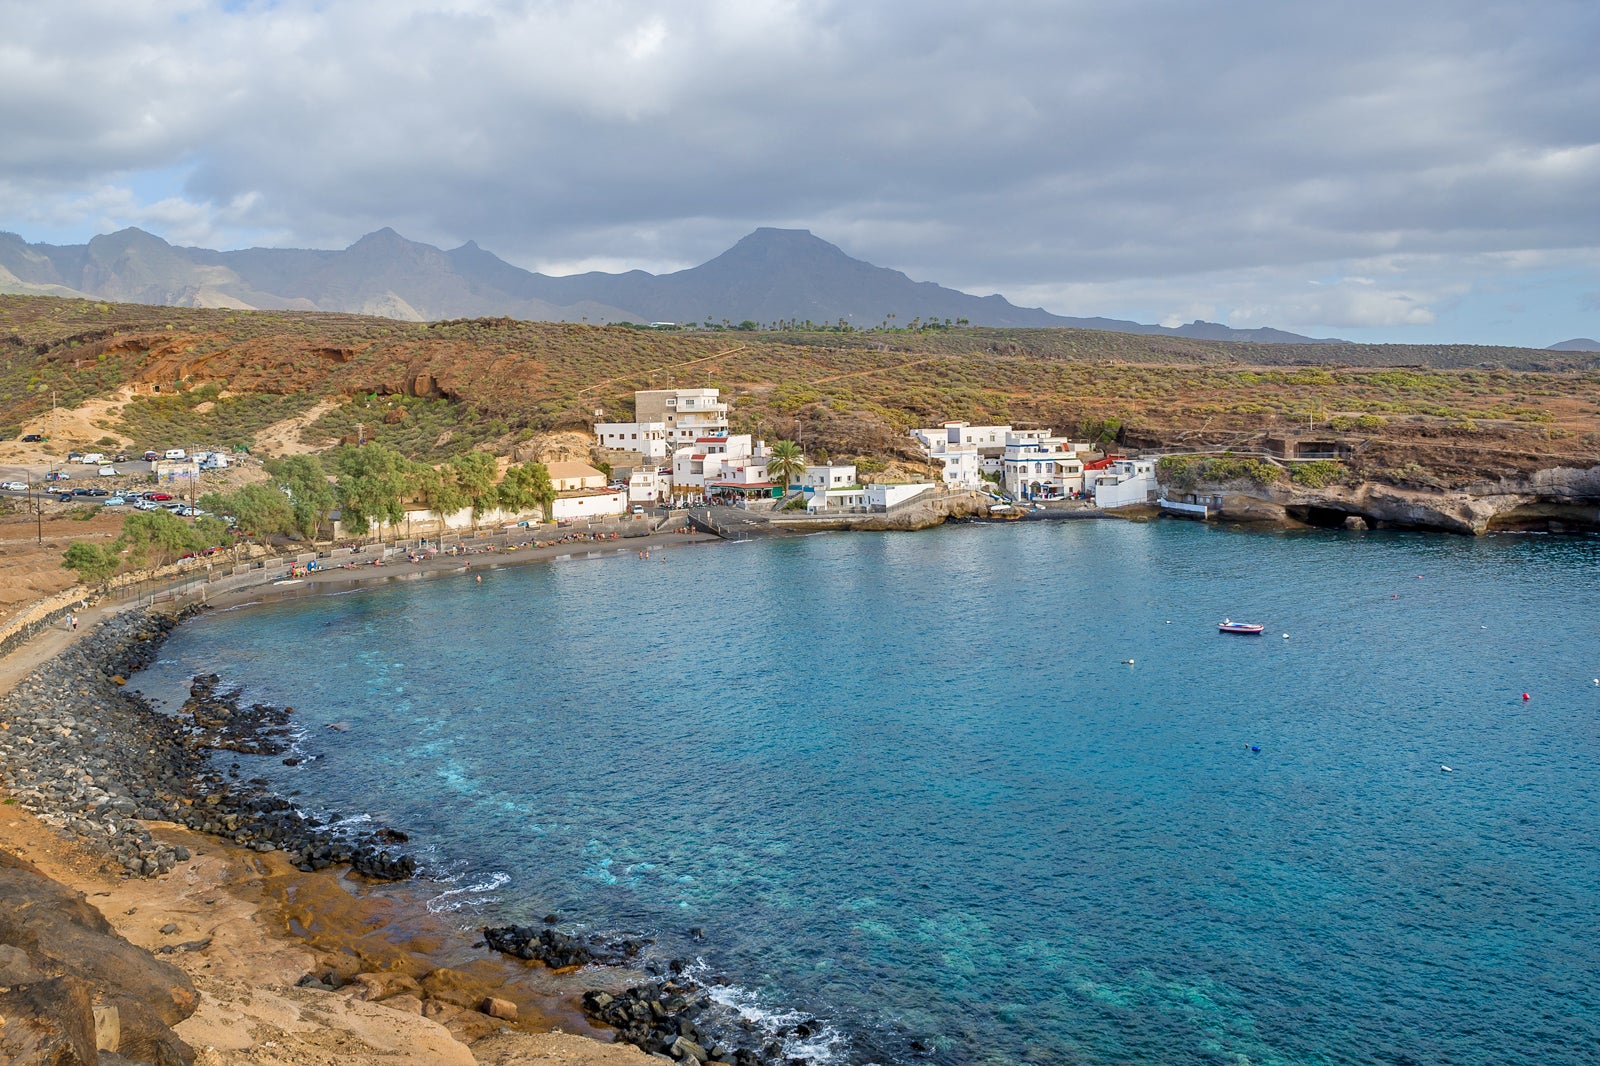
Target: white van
108	471
176	453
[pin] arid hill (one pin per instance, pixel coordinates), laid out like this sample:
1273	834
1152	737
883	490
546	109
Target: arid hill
432	389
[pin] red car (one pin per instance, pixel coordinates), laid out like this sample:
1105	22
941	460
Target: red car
159	497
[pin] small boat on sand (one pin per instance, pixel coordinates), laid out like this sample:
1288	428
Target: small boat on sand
1246	628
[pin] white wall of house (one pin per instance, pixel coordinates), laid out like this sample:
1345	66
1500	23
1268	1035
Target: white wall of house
648	487
649	439
686	413
887	496
1041	468
1129	481
820	499
422	522
830	476
589	505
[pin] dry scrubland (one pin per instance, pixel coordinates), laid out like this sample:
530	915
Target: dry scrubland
1444	413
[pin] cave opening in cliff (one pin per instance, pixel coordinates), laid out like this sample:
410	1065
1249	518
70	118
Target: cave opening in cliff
1321	517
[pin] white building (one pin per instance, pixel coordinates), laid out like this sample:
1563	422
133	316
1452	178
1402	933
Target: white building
589	503
829	476
832	486
883	497
686	414
1125	482
646	488
967	452
649	439
1041	468
720	467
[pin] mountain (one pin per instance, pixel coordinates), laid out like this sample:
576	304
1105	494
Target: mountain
772	275
1576	344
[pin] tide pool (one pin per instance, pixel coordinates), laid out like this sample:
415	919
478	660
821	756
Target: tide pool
910	785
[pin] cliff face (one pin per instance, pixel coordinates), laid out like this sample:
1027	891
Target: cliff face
1561	499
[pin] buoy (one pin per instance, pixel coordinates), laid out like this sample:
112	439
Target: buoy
1526	696
1286	636
1255	747
1396	596
1127	662
1447	769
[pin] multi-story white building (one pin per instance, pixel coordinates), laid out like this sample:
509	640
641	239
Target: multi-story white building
1042	468
648	487
714	467
649	439
686	414
1125	482
968	452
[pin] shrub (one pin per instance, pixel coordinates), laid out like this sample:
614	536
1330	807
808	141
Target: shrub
1317	474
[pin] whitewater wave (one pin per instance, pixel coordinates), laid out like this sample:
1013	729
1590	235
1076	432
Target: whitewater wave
474	895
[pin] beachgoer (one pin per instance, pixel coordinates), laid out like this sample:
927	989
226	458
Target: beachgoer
72	620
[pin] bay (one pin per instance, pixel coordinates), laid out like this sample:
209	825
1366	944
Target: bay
911	784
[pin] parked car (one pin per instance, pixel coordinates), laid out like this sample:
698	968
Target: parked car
108	471
79	492
65	497
146	505
93	492
151	457
32	438
113	501
159	497
14	486
119	458
74	457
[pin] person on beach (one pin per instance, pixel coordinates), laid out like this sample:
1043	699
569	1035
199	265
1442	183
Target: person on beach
72	620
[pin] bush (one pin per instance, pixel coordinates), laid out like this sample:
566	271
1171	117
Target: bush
1317	474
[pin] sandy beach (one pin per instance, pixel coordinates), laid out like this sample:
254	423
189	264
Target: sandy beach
265	942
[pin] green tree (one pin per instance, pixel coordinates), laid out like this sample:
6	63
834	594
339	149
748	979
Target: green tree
788	462
259	509
311	495
373	483
520	489
93	562
437	489
475	472
155	538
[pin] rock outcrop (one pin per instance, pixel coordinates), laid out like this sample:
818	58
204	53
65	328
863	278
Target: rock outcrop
70	987
1561	499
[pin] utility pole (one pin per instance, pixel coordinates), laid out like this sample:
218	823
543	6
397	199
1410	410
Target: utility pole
38	508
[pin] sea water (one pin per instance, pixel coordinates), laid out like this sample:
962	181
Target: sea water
1002	793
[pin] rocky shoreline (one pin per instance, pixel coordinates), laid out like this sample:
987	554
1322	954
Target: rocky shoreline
85	755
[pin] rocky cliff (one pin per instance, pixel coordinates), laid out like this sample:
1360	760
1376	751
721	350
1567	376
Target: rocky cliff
1561	499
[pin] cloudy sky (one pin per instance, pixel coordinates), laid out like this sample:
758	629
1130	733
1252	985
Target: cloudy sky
1407	170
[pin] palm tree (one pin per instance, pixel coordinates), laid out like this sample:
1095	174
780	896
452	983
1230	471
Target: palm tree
788	462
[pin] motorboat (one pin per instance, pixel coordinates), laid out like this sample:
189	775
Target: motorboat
1246	628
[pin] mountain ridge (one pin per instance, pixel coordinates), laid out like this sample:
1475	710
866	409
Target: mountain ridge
770	275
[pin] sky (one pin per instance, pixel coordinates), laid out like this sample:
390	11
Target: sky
1419	171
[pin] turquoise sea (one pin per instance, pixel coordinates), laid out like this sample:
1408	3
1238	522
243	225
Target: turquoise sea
912	784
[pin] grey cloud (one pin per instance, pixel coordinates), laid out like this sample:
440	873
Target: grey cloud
1011	143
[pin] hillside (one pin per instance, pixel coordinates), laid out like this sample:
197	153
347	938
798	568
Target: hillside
180	376
772	276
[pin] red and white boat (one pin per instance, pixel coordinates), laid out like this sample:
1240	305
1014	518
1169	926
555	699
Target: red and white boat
1247	628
